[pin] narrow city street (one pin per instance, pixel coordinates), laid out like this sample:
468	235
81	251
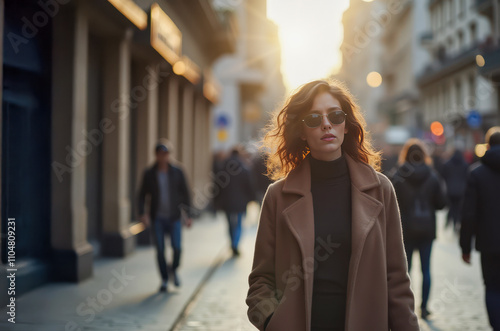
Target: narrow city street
212	296
456	301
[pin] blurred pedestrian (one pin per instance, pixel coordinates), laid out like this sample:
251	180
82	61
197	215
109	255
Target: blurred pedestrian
455	177
480	219
420	193
236	195
164	184
389	160
329	253
218	161
260	178
437	157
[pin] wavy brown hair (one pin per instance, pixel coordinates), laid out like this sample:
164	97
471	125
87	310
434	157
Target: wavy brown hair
283	140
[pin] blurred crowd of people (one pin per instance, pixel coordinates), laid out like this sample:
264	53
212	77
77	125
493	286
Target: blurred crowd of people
425	183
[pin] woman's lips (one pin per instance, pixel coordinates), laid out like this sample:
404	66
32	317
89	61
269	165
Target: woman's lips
328	137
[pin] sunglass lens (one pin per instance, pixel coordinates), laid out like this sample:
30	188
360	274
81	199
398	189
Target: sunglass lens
312	120
336	117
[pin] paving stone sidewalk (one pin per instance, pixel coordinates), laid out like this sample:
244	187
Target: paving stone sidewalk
221	303
123	293
456	300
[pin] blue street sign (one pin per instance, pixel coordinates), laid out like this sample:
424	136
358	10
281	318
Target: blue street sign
222	121
474	119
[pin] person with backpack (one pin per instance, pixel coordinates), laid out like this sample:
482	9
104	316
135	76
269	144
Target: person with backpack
420	193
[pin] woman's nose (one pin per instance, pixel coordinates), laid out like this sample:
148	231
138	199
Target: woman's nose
325	124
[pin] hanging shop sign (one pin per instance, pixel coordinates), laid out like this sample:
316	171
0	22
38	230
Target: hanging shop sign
166	37
211	89
131	11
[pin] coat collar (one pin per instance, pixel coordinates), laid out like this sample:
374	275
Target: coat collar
298	181
299	216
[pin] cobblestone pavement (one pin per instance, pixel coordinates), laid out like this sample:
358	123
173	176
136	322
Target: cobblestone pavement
457	292
456	300
220	306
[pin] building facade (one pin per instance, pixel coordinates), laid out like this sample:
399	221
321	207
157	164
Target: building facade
491	51
361	53
251	80
88	87
438	61
403	59
452	88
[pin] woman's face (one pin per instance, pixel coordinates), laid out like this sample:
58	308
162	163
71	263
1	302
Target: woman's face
325	140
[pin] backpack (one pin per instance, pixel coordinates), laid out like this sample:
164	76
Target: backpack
419	222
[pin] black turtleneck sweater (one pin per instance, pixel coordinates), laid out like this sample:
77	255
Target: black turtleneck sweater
331	193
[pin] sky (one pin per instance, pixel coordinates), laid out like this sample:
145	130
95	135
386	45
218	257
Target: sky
311	33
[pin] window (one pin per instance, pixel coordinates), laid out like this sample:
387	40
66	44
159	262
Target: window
461	11
446	99
438	17
460	40
458	95
452	12
433	22
443	14
441	53
472	92
473	33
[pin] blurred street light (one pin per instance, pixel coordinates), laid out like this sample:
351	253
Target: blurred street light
437	128
480	150
179	68
374	79
480	60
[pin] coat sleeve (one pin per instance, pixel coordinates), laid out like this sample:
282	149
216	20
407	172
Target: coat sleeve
143	191
261	299
467	229
401	300
184	192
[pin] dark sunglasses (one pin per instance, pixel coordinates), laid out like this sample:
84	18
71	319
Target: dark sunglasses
335	117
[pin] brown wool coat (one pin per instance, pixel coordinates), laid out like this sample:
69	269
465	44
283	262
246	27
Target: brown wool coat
281	282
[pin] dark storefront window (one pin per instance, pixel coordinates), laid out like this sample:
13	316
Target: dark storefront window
26	130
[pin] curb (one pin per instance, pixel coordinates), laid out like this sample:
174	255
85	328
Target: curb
218	261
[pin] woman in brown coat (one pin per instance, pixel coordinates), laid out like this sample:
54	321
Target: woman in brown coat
329	252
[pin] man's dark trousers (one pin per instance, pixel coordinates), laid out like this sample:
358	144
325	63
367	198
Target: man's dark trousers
161	228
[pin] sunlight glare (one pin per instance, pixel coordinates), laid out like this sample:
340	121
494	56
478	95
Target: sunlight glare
310	37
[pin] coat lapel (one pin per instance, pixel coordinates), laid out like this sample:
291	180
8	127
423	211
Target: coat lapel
299	216
365	210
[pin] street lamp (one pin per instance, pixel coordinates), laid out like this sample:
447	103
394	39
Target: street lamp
374	79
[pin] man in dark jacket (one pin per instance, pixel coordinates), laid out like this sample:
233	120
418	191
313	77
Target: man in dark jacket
236	195
166	187
480	219
455	177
